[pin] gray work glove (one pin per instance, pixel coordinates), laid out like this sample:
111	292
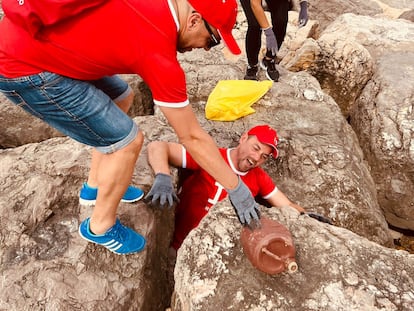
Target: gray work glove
163	190
271	42
303	13
244	204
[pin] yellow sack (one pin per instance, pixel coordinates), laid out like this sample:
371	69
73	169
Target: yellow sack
232	99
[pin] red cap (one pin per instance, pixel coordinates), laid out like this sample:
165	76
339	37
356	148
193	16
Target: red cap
266	135
221	14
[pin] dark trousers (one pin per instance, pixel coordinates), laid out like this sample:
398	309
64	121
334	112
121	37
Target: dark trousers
279	14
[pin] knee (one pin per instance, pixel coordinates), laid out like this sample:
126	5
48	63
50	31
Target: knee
135	146
138	141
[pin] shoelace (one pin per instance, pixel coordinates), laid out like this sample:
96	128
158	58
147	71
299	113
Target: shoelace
118	232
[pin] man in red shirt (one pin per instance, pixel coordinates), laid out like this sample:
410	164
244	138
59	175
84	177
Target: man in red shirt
65	76
199	191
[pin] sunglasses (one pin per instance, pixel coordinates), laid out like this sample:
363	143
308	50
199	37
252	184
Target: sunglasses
213	39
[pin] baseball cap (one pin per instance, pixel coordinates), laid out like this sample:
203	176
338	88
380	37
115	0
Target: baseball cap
221	14
266	135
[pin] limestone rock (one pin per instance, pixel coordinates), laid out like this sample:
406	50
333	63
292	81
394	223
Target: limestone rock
348	49
18	127
338	270
45	265
384	122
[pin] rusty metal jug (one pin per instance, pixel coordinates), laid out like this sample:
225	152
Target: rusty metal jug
269	248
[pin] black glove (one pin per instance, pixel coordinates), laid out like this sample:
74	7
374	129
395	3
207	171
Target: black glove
318	217
243	202
163	190
303	13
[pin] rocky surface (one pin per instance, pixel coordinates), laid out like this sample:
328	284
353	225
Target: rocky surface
346	152
338	270
384	122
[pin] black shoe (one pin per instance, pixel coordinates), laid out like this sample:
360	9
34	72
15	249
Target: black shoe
251	73
270	67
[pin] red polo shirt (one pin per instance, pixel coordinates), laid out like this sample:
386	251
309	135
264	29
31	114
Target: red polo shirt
200	192
118	37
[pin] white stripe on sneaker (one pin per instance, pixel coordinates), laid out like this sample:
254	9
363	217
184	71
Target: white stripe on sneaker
109	243
116	248
113	245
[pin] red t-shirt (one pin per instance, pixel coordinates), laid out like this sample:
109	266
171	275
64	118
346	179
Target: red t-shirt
199	192
118	37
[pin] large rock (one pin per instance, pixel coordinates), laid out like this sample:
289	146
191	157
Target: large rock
338	270
18	127
327	11
384	122
348	49
45	265
361	60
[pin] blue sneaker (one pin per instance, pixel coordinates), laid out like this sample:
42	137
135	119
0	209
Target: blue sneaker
88	195
118	239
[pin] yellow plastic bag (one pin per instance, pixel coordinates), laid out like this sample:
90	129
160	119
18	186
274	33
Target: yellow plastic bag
232	99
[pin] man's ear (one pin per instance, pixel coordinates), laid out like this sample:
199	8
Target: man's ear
243	138
194	19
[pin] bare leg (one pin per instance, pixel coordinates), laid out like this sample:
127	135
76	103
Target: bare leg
114	176
113	173
124	104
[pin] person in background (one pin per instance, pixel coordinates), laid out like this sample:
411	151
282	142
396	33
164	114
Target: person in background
66	76
274	32
199	191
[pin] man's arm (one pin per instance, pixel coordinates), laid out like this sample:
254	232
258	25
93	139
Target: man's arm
259	13
162	154
201	146
279	199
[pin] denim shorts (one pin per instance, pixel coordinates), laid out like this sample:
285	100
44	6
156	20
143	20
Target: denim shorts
82	110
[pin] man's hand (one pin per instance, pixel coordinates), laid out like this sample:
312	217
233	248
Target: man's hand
244	204
303	13
271	42
163	190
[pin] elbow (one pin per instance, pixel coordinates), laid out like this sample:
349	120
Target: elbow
194	139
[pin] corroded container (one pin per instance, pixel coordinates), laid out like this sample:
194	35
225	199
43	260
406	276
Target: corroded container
269	248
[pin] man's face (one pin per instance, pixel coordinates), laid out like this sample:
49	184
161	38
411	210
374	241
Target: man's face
251	153
197	34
